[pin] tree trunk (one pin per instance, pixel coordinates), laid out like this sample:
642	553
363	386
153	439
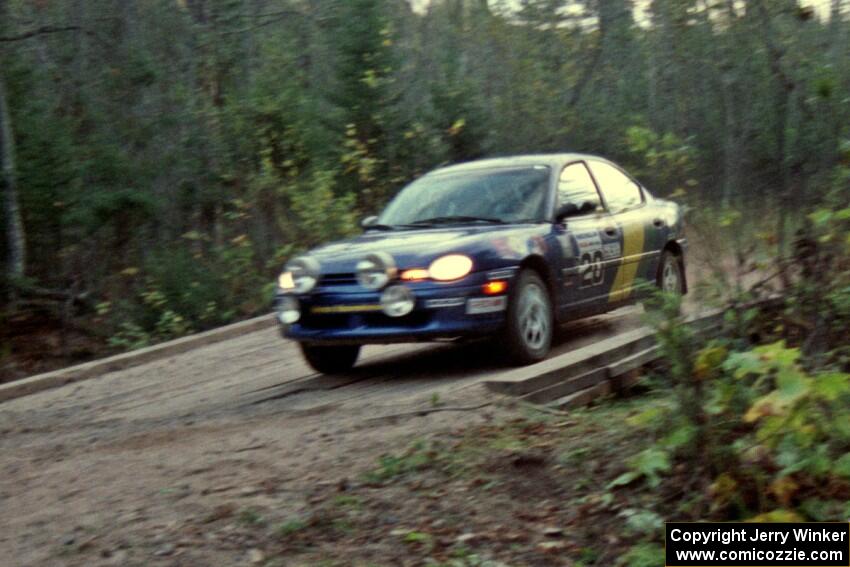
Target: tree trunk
785	85
16	242
730	96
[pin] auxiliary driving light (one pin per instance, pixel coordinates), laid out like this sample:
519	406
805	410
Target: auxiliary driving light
288	310
376	270
397	301
303	273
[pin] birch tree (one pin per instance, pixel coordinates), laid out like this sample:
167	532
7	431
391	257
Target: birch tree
15	236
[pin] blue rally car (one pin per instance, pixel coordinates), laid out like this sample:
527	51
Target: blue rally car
507	247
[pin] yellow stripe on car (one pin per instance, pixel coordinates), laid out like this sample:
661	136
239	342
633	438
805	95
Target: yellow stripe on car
624	281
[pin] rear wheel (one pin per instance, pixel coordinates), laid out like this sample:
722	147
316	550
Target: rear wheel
528	331
670	278
331	359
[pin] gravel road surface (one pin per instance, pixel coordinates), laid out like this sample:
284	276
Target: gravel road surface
108	471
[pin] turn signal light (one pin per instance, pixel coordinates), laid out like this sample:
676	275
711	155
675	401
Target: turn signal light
414	274
495	287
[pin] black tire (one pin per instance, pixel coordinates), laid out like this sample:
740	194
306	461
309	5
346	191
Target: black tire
670	277
524	344
331	359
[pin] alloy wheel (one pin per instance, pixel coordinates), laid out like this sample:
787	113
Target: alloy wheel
670	280
534	317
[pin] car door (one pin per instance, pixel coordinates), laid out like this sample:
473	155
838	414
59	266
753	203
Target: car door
625	201
590	242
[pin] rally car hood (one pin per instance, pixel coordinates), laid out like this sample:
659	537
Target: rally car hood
417	248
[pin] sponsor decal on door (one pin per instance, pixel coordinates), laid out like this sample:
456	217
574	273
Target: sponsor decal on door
592	254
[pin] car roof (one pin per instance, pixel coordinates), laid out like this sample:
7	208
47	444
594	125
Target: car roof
554	160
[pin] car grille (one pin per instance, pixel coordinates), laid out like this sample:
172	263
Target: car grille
338	279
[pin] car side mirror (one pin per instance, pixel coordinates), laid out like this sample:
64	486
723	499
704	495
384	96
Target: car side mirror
371	220
572	210
565	211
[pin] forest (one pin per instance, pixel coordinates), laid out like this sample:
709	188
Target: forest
161	159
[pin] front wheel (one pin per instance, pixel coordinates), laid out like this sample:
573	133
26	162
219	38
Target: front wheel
331	359
528	331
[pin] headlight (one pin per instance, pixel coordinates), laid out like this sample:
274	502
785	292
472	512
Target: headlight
285	281
451	267
303	272
376	270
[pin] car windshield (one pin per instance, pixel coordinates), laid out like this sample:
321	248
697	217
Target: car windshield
483	196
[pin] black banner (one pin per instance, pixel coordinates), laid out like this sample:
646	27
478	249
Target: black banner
758	545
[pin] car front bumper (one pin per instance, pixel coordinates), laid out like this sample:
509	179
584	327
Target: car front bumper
441	311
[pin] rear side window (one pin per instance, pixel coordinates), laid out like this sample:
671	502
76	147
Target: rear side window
576	186
620	191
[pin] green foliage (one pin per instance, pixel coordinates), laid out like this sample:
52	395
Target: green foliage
290	527
321	215
664	162
180	292
417	537
821	298
176	282
347	501
649	464
251	518
130	336
392	466
802	419
642	522
643	555
770	429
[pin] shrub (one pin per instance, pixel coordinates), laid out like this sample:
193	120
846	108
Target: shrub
767	430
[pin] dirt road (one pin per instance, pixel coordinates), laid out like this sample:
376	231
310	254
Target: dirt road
112	470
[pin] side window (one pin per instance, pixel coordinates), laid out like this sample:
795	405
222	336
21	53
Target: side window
621	193
576	186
